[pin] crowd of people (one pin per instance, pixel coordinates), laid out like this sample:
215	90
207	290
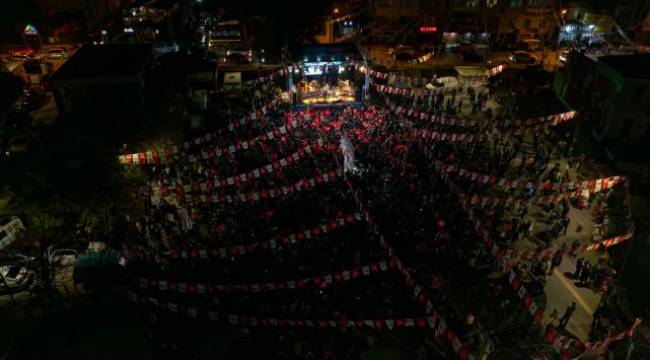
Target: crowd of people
397	181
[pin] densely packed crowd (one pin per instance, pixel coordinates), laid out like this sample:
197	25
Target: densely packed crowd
258	222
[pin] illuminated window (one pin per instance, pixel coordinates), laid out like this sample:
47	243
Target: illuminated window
491	3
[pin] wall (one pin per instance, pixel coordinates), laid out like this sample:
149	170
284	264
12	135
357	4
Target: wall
394	9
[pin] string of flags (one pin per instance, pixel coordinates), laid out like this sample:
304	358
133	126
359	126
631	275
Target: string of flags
318	281
252	197
559	342
419	293
493	71
583	189
229	252
272	76
263	321
163	156
210	185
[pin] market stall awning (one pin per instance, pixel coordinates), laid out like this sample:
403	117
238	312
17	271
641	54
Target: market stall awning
471	71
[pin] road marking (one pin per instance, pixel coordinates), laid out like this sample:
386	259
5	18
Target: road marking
574	292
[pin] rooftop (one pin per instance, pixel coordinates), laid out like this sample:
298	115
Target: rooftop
635	66
104	61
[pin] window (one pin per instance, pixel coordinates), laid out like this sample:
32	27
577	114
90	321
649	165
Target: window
491	3
515	3
638	94
626	129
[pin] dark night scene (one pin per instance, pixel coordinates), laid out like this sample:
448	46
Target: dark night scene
325	180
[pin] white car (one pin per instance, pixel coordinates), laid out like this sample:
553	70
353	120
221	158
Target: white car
56	53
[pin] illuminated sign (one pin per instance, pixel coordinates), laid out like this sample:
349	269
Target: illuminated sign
30	30
428	29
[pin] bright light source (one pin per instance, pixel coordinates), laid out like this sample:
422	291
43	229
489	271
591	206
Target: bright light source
591	27
263	60
563	11
157	32
104	32
336	10
227	53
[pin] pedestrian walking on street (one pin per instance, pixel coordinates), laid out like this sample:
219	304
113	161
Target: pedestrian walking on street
555	262
576	274
585	273
567	315
565	225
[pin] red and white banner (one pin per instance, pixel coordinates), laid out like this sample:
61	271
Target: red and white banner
559	342
272	76
582	189
253	116
251	320
162	156
226	252
531	123
209	186
256	196
421	115
419	293
603	344
451	137
319	281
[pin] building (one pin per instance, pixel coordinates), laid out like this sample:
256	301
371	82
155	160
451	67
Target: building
339	26
101	88
523	21
93	11
643	30
394	9
613	93
156	20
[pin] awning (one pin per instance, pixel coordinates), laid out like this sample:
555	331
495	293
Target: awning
472	71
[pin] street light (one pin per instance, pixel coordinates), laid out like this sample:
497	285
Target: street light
336	10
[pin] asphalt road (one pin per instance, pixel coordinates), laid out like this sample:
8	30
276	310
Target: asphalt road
449	58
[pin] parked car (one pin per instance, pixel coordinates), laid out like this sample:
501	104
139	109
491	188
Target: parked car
56	53
21	53
522	58
11	228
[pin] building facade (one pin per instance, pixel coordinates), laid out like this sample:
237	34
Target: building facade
613	94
